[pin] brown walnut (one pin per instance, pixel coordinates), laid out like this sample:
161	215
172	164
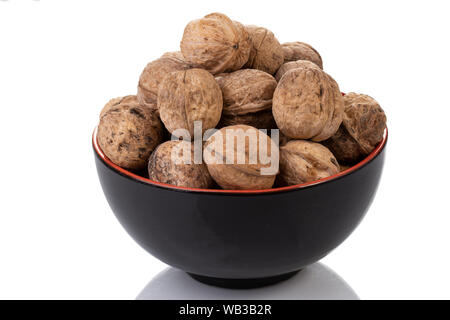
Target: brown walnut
247	98
305	161
293	65
364	120
128	132
154	73
216	43
114	102
307	104
167	165
344	147
294	51
266	52
225	167
187	96
361	130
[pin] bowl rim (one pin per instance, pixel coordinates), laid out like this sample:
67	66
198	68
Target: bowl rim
147	181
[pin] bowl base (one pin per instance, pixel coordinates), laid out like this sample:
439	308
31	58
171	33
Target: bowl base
243	283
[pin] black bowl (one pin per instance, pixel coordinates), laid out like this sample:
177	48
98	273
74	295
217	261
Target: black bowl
241	238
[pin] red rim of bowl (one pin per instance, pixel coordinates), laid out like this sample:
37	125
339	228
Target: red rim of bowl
132	175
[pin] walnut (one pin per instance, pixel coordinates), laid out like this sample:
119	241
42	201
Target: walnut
266	52
128	132
216	43
294	51
293	65
247	98
233	167
361	131
305	161
364	120
187	96
169	164
113	103
307	104
344	147
154	73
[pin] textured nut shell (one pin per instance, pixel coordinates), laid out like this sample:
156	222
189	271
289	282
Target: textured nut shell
261	120
216	43
239	176
293	65
128	133
307	104
344	147
305	161
154	73
246	91
266	52
336	114
161	168
364	120
294	51
188	96
114	102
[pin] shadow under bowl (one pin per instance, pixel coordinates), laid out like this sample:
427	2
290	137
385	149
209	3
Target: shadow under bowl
241	238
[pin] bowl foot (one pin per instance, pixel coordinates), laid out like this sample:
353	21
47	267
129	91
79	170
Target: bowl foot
243	283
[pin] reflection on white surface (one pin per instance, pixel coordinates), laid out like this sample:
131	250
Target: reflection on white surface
314	282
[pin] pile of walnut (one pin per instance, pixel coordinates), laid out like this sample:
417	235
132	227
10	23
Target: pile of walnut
229	74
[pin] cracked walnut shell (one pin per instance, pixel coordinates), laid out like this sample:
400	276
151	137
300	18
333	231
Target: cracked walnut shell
305	161
216	43
241	168
188	96
307	104
173	163
266	53
154	73
294	51
128	132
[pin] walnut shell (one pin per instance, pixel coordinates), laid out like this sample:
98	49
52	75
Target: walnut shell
361	130
364	120
246	91
187	96
225	167
307	104
128	133
266	52
305	161
114	102
344	147
294	51
163	166
293	65
154	73
216	43
261	120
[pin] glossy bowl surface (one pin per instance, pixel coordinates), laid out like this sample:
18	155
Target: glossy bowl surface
241	238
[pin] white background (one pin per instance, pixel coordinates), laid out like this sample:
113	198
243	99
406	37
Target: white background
61	61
